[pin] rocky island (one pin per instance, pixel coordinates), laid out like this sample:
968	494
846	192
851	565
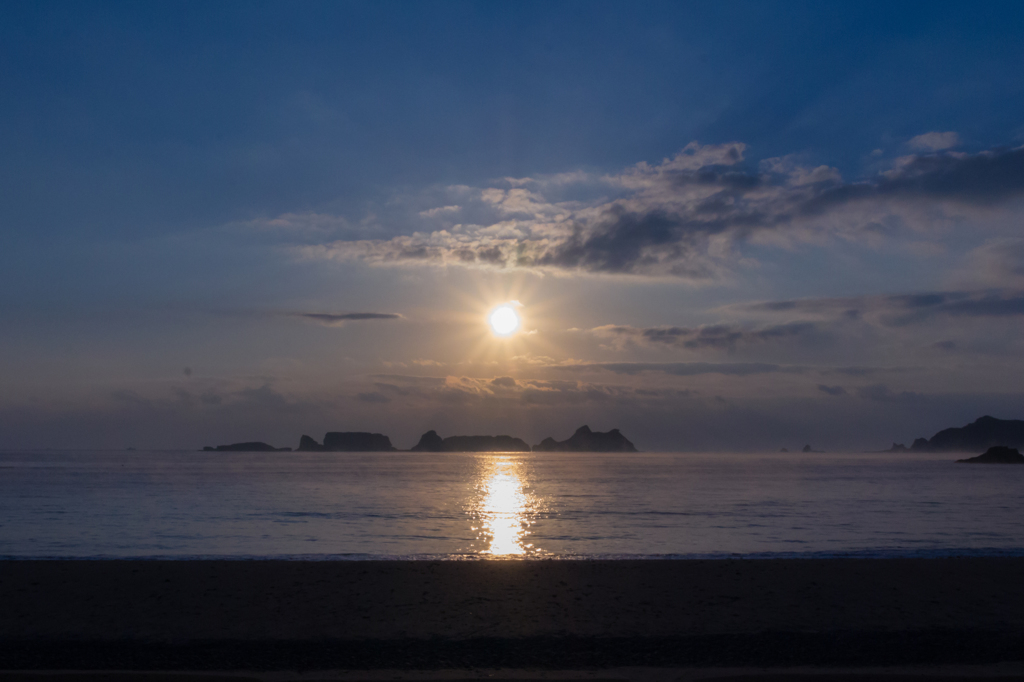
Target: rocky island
984	433
348	441
585	440
996	455
255	446
431	442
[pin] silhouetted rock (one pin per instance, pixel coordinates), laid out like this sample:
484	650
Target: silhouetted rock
979	435
996	455
783	450
356	441
897	447
585	440
307	444
246	447
808	448
429	442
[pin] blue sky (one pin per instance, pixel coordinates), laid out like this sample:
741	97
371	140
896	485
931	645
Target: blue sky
803	217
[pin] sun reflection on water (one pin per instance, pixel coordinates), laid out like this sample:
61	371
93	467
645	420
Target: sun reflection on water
504	507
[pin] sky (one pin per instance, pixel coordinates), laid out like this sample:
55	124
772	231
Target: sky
724	226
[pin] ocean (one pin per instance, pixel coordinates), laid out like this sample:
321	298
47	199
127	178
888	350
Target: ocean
112	504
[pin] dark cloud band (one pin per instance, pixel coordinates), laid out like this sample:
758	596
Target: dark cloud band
331	319
681	368
903	309
716	336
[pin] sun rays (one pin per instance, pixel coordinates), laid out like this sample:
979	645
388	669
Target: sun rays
523	317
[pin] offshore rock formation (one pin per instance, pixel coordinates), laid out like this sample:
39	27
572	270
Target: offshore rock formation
347	441
307	444
255	446
356	441
585	440
996	455
431	442
979	435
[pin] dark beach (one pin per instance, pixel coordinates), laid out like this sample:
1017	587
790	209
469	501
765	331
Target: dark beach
544	615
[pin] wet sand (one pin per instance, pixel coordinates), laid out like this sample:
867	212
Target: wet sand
266	615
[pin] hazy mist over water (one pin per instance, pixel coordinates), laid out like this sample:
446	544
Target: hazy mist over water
418	505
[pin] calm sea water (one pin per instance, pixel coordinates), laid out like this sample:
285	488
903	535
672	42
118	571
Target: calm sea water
412	505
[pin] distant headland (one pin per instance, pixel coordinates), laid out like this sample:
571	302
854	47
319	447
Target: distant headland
584	440
254	446
979	435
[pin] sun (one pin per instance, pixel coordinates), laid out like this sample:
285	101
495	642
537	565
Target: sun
503	320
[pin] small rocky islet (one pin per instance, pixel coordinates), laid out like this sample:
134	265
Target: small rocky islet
583	440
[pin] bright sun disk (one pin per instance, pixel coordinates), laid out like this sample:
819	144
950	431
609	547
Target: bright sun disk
504	320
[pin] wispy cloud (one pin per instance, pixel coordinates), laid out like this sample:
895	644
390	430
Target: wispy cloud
505	390
934	141
373	397
883	394
997	262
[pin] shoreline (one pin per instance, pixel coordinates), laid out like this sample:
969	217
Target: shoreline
275	615
843	650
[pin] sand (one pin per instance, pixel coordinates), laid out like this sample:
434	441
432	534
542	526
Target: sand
210	615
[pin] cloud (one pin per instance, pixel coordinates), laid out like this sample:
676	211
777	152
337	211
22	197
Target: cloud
832	390
410	379
254	399
500	392
338	319
997	262
680	368
987	177
687	216
883	394
373	397
716	336
864	371
901	309
934	141
440	210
